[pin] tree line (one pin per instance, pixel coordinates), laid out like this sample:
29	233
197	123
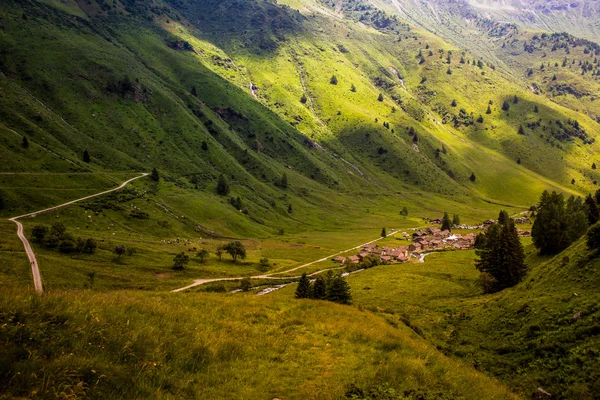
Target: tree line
332	287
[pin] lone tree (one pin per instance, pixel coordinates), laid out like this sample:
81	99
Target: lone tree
536	109
194	92
380	97
235	250
25	142
505	106
446	223
501	255
353	88
489	109
333	80
155	176
404	212
245	285
383	233
290	209
222	186
202	255
283	182
338	290
303	99
204	145
86	156
180	260
119	250
473	178
304	289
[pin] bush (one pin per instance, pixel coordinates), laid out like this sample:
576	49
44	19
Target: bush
593	238
487	282
246	284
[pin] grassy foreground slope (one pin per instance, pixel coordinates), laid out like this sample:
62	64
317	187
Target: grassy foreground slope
130	344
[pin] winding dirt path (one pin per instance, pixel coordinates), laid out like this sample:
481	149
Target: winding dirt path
35	270
199	282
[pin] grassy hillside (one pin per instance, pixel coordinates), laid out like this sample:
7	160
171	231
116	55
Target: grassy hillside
129	344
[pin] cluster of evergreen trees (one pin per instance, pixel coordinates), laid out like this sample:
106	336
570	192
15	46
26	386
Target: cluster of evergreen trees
332	287
501	256
559	223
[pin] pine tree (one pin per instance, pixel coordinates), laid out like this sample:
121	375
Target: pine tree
594	166
222	186
319	289
449	71
204	146
86	156
593	213
446	223
380	97
338	290
473	178
303	291
505	106
404	212
290	209
455	220
303	99
25	142
383	233
515	100
536	109
333	80
454	103
194	92
155	176
503	218
480	119
521	130
353	88
501	255
489	110
283	182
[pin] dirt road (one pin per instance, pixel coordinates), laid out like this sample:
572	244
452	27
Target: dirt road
199	282
35	271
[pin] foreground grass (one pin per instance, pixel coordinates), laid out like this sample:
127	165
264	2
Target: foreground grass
129	344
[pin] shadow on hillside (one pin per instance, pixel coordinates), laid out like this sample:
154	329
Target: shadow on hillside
256	26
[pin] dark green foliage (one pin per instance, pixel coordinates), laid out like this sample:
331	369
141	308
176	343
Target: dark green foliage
502	256
86	156
505	106
449	71
333	80
455	220
446	223
245	285
264	265
155	176
202	255
521	130
25	142
222	186
194	92
236	250
319	289
338	290
593	213
180	261
503	218
454	103
370	261
39	232
353	88
58	229
536	109
489	109
557	224
283	181
594	166
303	99
479	240
480	119
404	212
119	250
290	209
2	205
380	97
304	289
515	100
204	145
473	178
593	238
383	233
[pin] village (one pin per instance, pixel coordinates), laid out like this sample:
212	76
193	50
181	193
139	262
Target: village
424	240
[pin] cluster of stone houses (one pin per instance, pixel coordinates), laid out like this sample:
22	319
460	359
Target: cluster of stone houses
423	240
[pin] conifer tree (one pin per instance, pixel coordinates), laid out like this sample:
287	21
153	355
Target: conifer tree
333	80
404	212
455	220
353	88
473	178
446	223
505	106
338	290
319	289
303	291
503	218
222	186
536	109
194	92
501	255
383	233
380	97
283	182
25	142
155	176
489	110
86	156
593	213
521	130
